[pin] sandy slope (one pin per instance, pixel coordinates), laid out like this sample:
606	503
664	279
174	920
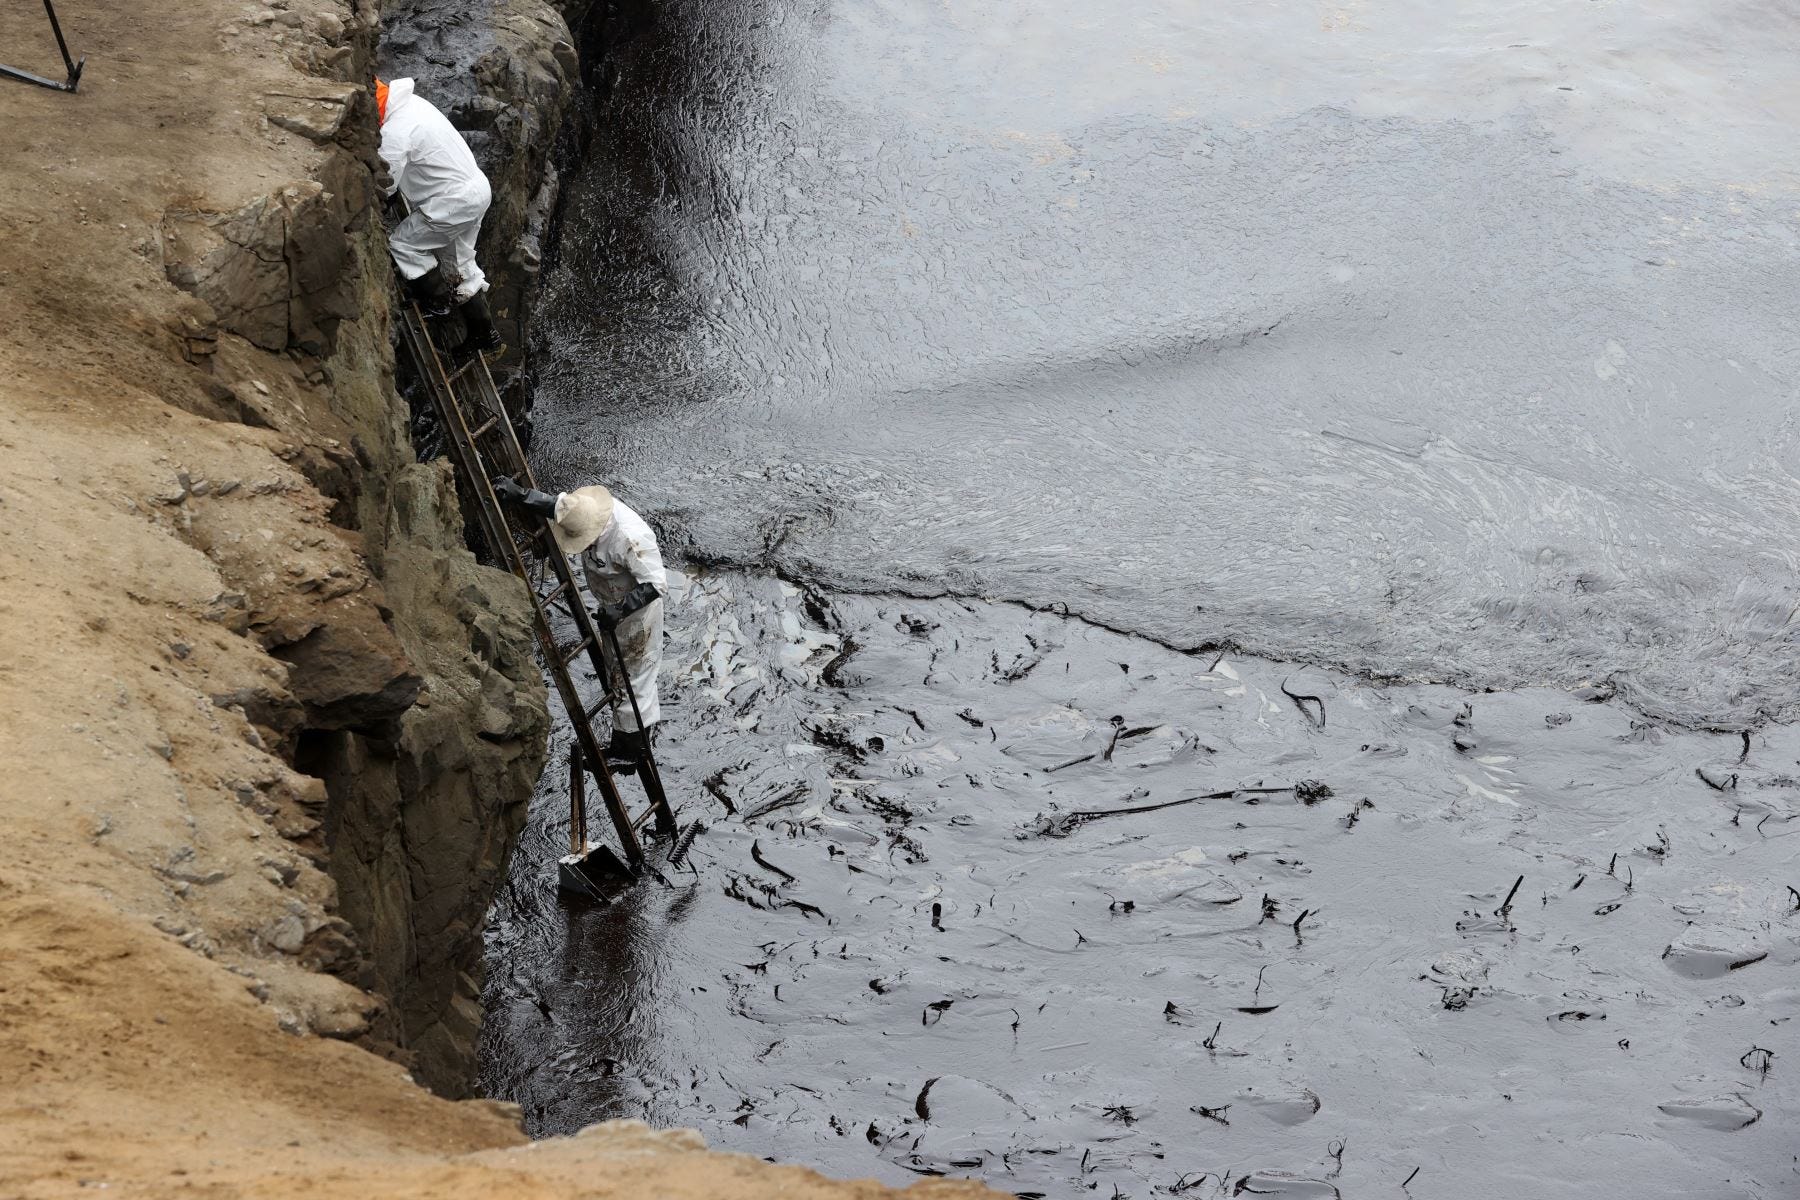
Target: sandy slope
157	1010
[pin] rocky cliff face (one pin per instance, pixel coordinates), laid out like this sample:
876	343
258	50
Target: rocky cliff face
411	691
507	73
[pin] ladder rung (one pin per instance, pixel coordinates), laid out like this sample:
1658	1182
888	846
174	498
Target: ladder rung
484	428
464	369
562	606
551	596
569	655
596	706
643	818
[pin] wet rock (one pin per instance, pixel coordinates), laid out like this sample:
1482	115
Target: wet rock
967	1123
1282	1183
1717	955
1154	746
1576	1016
1185	876
350	673
957	1102
1052	739
1311	791
1725	1113
1294	1107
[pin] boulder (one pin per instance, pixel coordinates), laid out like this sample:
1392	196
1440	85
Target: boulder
274	271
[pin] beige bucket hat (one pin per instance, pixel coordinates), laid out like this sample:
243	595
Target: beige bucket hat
581	517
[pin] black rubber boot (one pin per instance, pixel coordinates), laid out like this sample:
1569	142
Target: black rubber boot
625	752
478	322
431	293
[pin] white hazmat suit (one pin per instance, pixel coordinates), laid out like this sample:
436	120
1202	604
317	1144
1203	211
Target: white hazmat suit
622	557
434	169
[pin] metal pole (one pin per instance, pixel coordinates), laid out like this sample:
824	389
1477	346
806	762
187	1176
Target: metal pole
69	63
56	28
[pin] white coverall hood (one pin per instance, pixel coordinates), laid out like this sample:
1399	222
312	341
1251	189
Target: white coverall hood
431	164
435	170
399	92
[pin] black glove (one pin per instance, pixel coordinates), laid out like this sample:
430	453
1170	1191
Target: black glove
384	180
609	615
509	491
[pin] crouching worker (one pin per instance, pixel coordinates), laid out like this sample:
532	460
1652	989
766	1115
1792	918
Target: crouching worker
624	572
428	162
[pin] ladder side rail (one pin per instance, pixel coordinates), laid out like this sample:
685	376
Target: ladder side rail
419	345
494	519
504	463
497	428
512	455
492	395
650	773
588	634
559	668
595	756
577	803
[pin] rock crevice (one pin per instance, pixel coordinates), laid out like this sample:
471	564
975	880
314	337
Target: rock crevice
411	690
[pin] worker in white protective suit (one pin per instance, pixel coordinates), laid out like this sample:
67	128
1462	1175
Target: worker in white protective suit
428	162
624	571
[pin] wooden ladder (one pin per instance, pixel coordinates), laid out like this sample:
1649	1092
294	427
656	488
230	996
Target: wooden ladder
485	446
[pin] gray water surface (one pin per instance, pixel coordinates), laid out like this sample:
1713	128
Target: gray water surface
997	894
1389	352
1440	341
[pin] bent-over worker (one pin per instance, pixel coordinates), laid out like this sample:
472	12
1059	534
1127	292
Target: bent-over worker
428	162
624	572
